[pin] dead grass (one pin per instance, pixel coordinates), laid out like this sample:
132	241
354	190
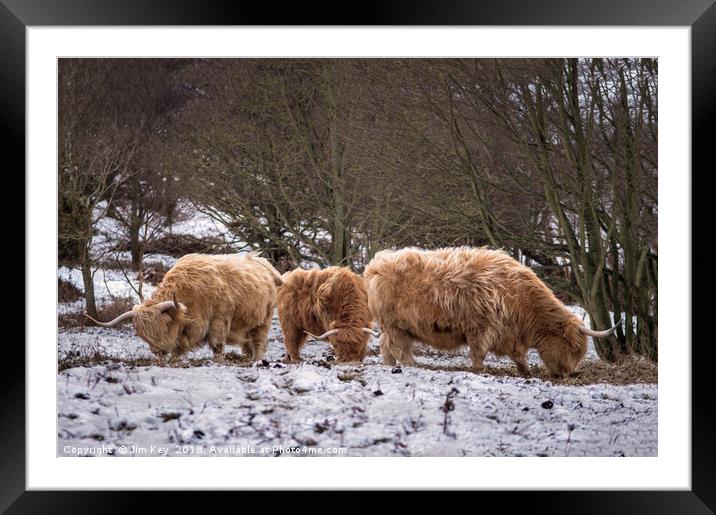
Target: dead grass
67	292
96	359
154	273
178	245
632	370
105	312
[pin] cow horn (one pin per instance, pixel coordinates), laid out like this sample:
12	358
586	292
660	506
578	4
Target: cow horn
324	335
167	304
600	334
112	323
370	331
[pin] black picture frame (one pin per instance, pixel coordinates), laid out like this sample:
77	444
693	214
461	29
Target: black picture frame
17	15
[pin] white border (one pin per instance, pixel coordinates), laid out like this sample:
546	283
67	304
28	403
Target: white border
671	469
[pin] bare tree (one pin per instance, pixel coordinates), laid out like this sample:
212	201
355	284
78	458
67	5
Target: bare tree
151	95
95	147
558	159
275	149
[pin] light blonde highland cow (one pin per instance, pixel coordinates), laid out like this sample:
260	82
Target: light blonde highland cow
221	299
477	297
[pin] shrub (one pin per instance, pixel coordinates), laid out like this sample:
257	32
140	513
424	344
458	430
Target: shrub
67	292
105	312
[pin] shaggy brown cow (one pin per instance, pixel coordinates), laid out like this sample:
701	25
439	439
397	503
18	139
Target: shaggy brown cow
332	301
477	297
224	299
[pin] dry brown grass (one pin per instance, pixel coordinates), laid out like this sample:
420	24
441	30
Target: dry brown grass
632	370
178	245
96	359
67	292
154	273
104	312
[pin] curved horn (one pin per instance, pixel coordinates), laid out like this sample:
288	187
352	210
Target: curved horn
324	335
167	304
599	334
112	323
370	331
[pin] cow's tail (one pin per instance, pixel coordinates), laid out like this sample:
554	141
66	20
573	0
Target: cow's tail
274	273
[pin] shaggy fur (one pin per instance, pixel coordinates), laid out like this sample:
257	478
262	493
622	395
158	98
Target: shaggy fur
477	297
320	300
225	299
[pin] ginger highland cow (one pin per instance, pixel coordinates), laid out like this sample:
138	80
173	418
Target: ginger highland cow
221	299
325	304
477	297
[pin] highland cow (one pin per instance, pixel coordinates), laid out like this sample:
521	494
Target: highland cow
325	304
477	297
220	299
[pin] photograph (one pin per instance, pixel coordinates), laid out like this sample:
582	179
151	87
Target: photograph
357	257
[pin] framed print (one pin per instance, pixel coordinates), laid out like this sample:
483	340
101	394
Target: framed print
418	246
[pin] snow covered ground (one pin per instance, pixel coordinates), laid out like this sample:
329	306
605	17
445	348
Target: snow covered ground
114	399
321	408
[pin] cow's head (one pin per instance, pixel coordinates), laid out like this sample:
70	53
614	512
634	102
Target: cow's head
159	325
562	354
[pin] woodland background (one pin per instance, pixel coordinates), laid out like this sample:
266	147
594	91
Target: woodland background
320	162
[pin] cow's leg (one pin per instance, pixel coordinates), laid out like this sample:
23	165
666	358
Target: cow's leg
239	337
176	354
479	345
218	331
520	360
191	335
385	351
183	344
259	339
293	339
400	345
161	359
247	349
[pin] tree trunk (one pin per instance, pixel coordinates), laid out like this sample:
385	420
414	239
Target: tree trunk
134	246
340	234
86	267
135	225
